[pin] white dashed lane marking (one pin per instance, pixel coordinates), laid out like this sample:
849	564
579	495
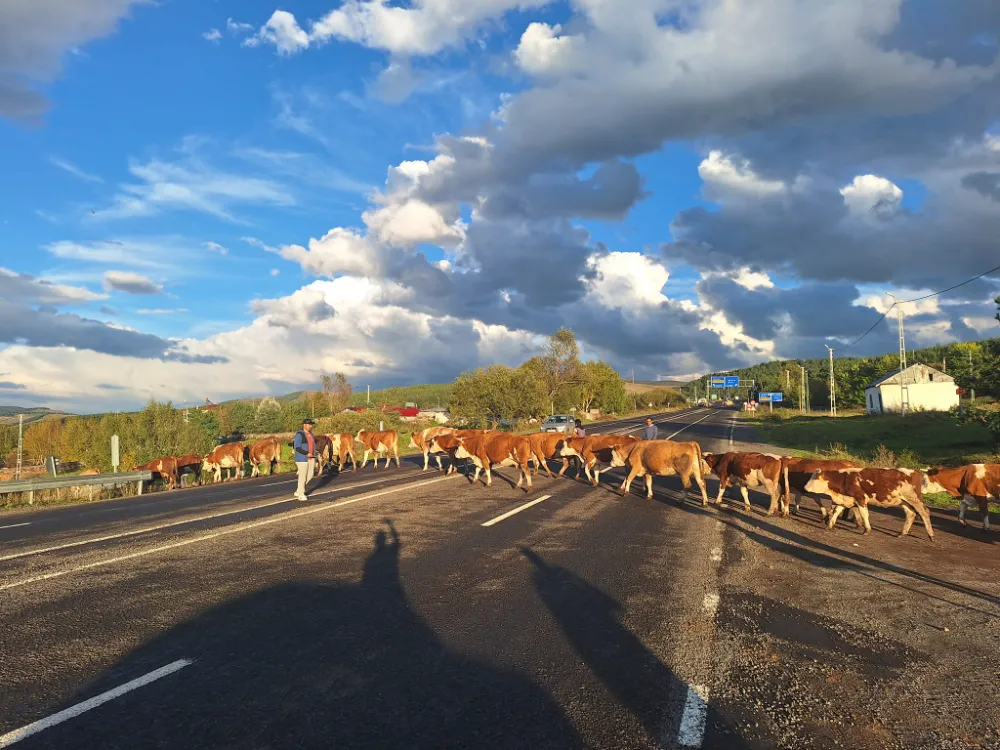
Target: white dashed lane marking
692	729
73	711
516	510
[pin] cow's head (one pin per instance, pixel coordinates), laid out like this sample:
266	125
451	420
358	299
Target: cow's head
460	450
817	484
930	483
619	453
206	464
711	460
358	436
414	438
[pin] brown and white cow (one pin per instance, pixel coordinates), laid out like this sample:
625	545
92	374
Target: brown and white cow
423	440
797	471
227	456
266	451
545	446
189	463
494	448
594	450
863	487
747	470
165	468
341	449
973	482
377	443
660	458
449	444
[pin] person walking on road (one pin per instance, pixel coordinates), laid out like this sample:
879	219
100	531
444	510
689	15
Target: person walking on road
650	432
305	453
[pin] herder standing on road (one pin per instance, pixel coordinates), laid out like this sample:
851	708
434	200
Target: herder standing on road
650	432
579	431
305	453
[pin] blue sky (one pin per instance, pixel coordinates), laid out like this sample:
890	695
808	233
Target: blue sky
232	198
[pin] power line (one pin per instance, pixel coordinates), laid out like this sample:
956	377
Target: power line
919	299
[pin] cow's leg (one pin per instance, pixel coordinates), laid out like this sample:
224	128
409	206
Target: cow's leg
527	476
925	516
364	460
544	464
722	489
910	515
649	487
427	458
773	490
437	457
597	475
564	466
627	482
700	481
963	503
834	515
984	508
862	511
746	498
489	474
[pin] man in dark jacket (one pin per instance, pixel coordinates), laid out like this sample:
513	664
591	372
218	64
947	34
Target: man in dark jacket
304	447
649	432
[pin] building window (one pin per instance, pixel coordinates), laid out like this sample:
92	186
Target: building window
931	376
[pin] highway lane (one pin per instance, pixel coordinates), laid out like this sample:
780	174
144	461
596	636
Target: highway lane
586	619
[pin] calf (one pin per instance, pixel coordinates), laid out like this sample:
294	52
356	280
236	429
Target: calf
747	470
189	463
662	458
797	472
545	446
424	439
342	448
497	448
594	450
863	487
266	451
386	441
164	468
228	456
979	482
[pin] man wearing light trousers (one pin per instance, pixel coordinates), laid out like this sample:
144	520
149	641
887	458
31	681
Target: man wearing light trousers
304	447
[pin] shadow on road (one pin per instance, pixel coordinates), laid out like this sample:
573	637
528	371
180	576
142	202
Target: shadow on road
634	675
316	665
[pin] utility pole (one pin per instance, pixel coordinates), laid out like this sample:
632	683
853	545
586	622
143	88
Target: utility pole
972	391
20	446
368	399
904	392
803	406
833	387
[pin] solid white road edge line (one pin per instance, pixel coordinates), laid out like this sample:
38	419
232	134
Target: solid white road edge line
510	513
73	711
692	729
15	525
196	519
687	426
732	428
223	532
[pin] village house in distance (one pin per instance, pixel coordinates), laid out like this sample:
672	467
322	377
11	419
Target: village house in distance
927	389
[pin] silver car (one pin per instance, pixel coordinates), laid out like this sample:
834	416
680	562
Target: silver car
558	423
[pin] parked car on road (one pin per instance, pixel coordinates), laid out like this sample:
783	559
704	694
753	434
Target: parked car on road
558	423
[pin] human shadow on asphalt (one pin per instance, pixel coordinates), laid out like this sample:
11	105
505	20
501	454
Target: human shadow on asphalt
634	675
316	665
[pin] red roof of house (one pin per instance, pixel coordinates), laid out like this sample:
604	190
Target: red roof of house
405	412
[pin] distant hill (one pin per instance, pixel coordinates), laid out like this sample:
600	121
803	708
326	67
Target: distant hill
8	414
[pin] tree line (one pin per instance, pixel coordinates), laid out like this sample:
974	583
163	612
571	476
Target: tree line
554	382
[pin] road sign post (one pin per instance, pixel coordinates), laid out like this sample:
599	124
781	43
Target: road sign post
115	454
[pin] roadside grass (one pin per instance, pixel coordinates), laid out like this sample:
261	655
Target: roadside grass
916	441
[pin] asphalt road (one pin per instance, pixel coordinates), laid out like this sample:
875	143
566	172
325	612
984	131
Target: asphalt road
406	609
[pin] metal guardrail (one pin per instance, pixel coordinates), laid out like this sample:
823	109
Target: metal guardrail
56	483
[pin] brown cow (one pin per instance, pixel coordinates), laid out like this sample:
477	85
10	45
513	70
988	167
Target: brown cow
747	470
386	441
342	448
226	456
545	446
662	458
266	451
863	487
496	448
797	472
192	463
165	468
979	482
90	472
449	444
593	450
423	440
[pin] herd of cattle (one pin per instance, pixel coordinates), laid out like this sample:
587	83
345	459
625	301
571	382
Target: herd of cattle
847	485
233	457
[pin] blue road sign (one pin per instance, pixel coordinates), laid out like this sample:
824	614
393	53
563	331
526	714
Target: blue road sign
769	397
732	381
718	382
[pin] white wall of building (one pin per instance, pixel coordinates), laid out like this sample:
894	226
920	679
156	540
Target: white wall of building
923	397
